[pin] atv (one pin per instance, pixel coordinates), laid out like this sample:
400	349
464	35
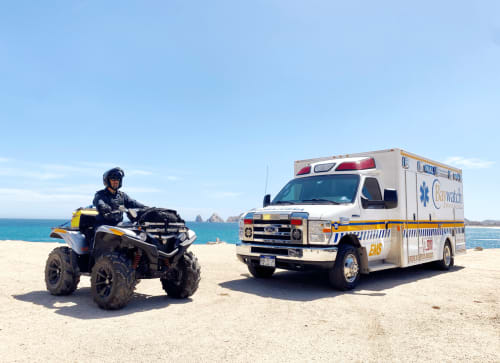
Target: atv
152	245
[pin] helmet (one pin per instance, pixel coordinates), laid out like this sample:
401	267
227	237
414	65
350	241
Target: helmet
115	173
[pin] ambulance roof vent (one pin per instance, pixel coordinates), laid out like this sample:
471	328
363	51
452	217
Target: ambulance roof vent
323	168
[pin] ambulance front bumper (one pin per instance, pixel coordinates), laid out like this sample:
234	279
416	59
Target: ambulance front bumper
287	256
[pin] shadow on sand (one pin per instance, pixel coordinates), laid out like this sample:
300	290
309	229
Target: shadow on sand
80	304
313	285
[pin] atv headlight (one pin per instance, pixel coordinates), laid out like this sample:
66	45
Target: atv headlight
320	232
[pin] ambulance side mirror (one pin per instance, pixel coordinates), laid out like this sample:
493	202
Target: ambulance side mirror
390	198
267	200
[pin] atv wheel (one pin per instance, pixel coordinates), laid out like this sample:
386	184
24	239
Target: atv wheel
112	281
62	274
261	272
184	280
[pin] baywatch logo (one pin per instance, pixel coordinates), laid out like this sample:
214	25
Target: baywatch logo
444	198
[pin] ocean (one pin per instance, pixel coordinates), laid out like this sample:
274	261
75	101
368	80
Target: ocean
38	230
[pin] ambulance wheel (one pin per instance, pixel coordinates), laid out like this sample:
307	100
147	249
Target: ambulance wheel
261	272
447	261
112	281
346	272
62	274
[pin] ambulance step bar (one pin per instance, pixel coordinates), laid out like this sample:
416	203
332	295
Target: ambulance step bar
379	265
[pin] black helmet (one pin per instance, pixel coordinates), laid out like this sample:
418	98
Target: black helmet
116	174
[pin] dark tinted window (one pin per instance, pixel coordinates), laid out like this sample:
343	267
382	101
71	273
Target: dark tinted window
334	188
371	189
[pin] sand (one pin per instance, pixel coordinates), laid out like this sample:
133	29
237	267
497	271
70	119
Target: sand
416	314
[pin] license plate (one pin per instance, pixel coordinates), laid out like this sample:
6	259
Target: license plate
269	261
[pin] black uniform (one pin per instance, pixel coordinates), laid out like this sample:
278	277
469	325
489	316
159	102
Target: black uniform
107	205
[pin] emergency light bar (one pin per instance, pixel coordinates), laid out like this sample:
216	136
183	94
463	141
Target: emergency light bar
357	165
305	170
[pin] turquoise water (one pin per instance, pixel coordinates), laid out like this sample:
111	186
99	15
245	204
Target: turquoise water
38	230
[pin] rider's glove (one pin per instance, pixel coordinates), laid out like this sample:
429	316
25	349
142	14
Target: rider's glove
106	210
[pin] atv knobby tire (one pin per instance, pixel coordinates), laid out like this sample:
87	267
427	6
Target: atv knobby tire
112	281
185	279
62	274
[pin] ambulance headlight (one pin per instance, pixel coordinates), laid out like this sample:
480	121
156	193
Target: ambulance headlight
241	228
320	232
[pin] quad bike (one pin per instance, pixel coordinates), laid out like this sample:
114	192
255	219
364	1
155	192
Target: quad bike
153	245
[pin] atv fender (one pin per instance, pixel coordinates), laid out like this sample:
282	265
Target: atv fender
183	246
106	241
75	240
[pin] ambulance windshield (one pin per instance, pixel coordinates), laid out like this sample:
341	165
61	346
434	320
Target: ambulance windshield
324	189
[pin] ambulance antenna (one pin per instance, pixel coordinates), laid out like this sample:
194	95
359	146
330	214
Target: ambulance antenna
267	178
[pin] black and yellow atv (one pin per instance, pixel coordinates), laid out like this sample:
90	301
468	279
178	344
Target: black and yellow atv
153	245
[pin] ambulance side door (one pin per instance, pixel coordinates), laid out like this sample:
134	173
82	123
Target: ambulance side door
425	211
376	237
411	233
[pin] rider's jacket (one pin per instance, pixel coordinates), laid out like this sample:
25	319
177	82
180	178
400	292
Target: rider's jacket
107	205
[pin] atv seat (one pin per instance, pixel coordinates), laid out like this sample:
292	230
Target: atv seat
87	226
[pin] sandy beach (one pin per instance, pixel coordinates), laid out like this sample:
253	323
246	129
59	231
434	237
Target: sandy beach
416	314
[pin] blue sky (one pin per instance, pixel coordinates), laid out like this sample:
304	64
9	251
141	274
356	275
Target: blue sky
195	99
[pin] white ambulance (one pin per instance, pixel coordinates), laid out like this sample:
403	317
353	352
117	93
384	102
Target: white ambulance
355	214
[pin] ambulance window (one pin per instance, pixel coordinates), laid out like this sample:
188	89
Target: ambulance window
371	189
291	192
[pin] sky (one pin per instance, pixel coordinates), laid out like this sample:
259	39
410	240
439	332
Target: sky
195	100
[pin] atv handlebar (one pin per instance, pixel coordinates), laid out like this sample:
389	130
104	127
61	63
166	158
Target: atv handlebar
131	212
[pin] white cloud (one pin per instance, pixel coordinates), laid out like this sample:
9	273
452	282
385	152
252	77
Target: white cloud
4	160
23	195
138	172
68	169
469	163
141	190
74	189
21	173
221	195
173	178
102	165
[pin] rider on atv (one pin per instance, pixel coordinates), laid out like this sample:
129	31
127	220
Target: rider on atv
108	200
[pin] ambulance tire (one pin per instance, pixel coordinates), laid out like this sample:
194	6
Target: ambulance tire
261	272
447	261
346	272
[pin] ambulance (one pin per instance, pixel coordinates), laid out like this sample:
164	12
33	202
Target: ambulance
356	214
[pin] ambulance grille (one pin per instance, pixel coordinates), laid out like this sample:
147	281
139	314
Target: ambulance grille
273	231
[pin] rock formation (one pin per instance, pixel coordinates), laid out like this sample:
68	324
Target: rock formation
233	219
198	218
215	218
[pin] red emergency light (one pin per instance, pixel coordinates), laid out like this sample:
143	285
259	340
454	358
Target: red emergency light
248	221
368	163
305	170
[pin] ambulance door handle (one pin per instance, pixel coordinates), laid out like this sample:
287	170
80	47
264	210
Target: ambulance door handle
414	217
